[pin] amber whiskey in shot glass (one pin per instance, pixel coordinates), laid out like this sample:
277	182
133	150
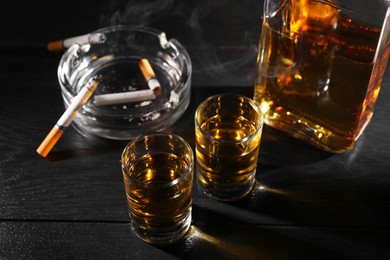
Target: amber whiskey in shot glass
158	173
228	129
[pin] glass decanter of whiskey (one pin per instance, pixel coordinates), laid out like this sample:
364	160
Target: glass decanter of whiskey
320	67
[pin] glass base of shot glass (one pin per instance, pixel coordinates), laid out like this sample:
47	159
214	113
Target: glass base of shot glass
165	235
226	191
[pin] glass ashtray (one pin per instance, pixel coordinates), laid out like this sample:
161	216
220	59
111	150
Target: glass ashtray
115	59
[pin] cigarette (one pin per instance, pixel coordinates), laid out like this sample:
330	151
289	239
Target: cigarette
67	117
149	75
61	45
125	97
134	96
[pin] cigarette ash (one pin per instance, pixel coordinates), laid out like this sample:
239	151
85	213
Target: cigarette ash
150	116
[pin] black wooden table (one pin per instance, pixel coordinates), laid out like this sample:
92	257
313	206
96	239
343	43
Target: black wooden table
310	204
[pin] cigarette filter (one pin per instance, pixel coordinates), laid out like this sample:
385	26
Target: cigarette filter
67	117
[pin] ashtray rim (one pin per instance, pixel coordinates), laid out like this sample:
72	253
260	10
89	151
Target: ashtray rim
182	85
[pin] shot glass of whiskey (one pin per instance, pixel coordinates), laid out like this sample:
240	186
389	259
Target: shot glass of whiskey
228	129
158	173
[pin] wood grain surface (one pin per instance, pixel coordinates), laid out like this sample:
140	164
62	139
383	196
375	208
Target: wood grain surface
308	204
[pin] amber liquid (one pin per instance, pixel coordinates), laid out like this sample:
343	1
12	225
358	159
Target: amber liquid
221	160
154	207
317	76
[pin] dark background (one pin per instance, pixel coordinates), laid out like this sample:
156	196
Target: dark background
221	35
309	204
